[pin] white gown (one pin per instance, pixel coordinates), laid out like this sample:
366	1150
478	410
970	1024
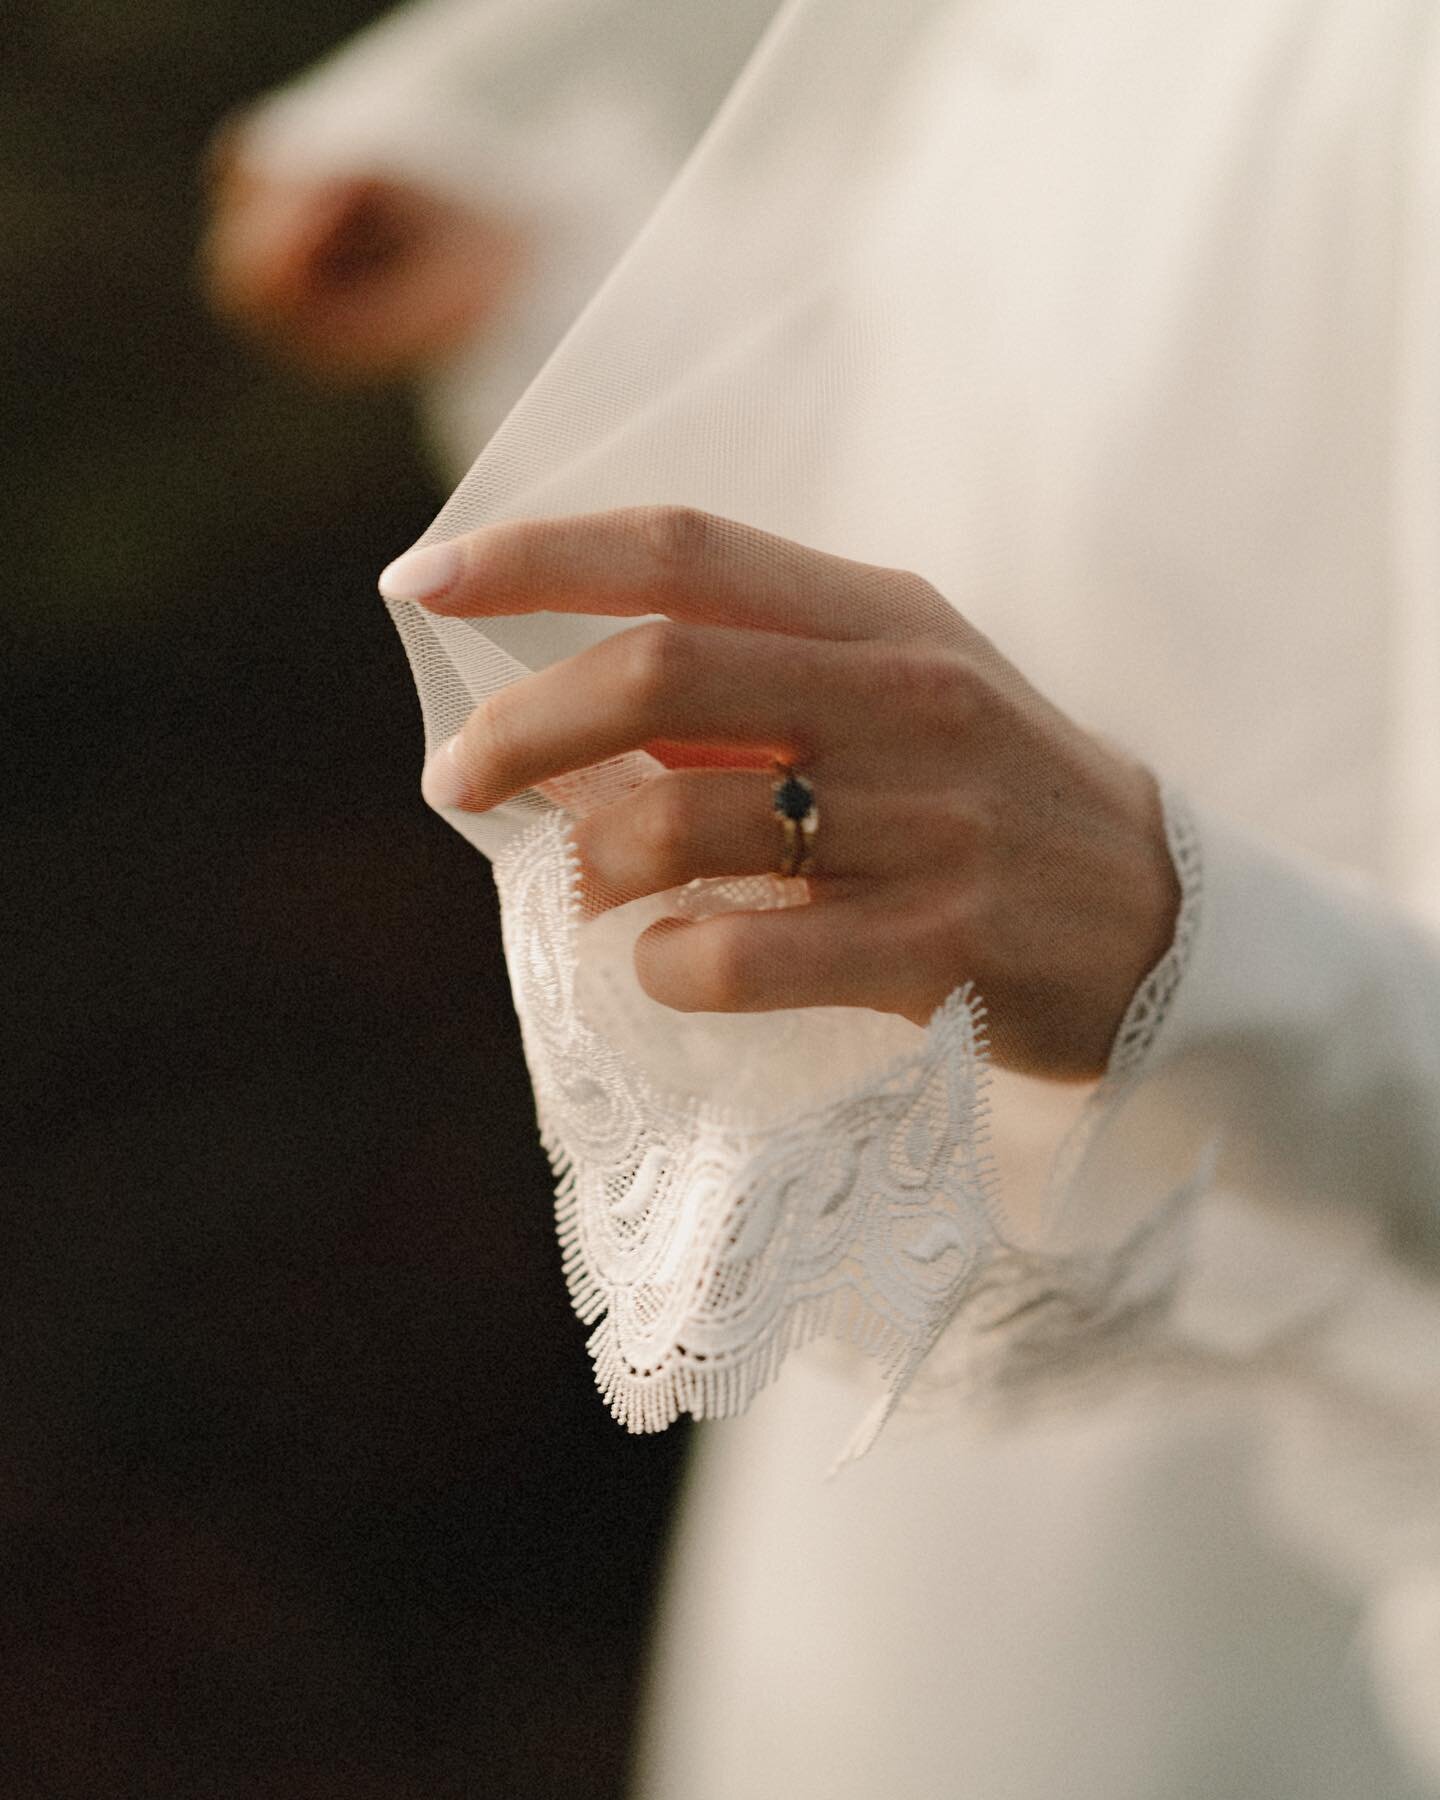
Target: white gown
1178	270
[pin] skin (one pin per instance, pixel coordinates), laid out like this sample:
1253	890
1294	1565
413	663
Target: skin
352	278
968	829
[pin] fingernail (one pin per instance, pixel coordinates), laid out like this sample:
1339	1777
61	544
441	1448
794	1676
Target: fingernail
422	574
441	781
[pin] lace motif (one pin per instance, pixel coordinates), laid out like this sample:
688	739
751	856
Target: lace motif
703	1246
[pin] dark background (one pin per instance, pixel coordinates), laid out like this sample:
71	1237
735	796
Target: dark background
304	1487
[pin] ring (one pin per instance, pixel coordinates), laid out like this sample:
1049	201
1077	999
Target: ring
793	799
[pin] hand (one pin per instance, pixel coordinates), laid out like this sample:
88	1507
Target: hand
968	830
352	277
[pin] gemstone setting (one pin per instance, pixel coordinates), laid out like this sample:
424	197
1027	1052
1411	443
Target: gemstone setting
794	797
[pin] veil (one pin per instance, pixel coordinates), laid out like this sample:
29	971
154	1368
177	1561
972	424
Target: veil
733	1185
1151	394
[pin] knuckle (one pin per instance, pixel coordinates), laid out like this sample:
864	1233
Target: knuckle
954	831
723	968
935	687
924	616
489	742
922	600
679	539
943	932
641	844
655	657
650	834
660	826
913	610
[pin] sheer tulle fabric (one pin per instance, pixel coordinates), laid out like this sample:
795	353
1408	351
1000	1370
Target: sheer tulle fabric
733	1186
942	289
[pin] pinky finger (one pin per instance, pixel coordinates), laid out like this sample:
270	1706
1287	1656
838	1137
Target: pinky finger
837	951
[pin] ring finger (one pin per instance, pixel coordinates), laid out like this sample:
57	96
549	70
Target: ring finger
691	823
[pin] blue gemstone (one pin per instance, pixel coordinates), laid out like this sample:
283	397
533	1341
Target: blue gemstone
793	799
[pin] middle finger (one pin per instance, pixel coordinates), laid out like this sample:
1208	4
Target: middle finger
688	684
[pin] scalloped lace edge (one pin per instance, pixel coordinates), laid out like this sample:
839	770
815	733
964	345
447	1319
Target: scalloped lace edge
913	1234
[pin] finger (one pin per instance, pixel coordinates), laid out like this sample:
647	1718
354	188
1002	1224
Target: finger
268	238
691	824
676	828
659	681
842	952
223	157
672	560
708	756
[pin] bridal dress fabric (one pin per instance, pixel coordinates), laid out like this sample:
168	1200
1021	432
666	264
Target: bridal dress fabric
1117	323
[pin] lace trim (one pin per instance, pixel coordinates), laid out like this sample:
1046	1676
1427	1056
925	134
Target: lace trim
1042	1326
1149	1006
704	1248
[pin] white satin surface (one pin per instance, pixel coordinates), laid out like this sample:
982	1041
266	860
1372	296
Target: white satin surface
1118	322
1081	1608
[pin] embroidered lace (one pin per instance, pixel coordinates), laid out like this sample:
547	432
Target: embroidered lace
704	1237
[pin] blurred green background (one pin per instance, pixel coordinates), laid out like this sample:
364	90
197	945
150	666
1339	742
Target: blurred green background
304	1490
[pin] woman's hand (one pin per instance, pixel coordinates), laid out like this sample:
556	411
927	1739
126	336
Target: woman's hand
354	277
968	830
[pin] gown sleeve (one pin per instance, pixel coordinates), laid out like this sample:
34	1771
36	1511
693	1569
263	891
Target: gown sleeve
1302	1044
499	101
566	118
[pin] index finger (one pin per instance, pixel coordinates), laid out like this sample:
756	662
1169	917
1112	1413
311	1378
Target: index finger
674	560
